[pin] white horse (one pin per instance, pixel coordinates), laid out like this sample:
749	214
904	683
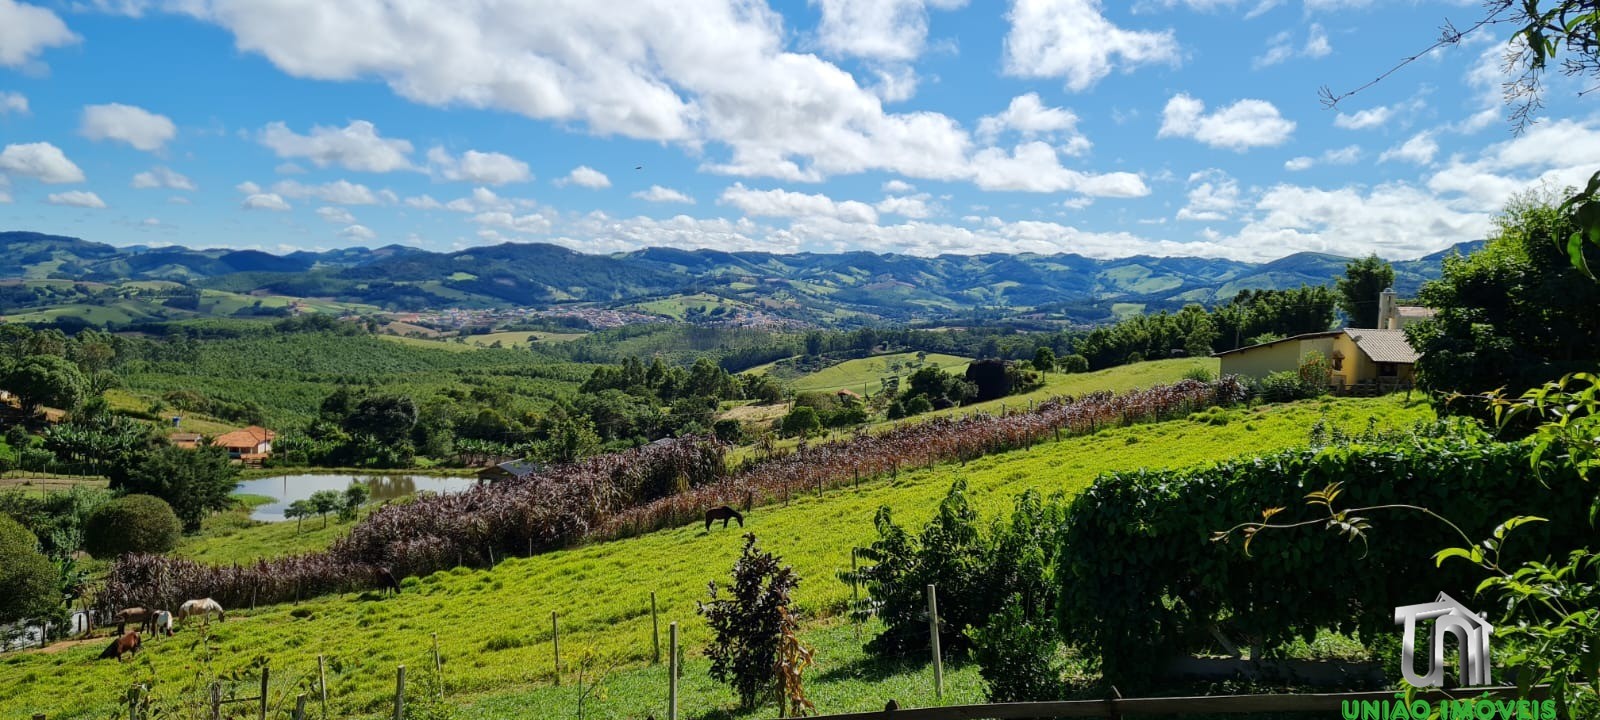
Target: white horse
202	607
161	624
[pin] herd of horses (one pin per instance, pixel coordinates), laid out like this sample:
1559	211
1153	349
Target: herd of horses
155	622
160	622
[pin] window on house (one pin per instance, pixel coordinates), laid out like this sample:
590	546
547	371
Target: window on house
1388	369
1338	361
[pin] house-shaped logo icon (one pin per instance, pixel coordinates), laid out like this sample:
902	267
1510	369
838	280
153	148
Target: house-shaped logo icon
1448	616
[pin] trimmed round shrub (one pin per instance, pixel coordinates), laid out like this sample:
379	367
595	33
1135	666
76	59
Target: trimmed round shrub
27	578
132	524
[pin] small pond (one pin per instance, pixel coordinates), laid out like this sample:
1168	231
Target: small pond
285	489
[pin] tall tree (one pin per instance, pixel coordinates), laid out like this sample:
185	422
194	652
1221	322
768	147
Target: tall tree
1363	280
1512	315
46	380
193	482
27	580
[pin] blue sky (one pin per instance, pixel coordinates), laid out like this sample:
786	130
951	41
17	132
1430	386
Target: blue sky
1167	127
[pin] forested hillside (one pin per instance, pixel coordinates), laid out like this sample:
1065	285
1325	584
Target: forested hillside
848	288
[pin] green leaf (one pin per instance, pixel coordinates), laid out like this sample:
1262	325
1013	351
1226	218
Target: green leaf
1575	254
1442	555
1514	523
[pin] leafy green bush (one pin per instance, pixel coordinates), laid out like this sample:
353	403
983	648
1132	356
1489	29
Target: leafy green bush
132	524
973	572
728	431
193	482
1073	364
1283	386
28	587
918	405
1018	657
800	422
1140	578
1199	373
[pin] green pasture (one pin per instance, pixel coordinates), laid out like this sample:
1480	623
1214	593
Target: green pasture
862	375
679	306
494	623
521	337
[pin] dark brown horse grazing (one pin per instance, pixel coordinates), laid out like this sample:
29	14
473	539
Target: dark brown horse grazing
385	580
724	514
127	644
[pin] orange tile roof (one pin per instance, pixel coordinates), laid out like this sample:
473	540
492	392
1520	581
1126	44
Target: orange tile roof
248	437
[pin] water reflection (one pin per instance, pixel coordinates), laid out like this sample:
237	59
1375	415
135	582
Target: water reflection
289	488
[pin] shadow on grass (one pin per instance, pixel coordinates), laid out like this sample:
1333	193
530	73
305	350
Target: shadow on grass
875	669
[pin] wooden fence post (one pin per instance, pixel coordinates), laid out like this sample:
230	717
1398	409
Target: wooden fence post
266	672
933	633
322	685
655	631
555	641
216	700
438	666
400	693
300	707
672	671
133	703
855	595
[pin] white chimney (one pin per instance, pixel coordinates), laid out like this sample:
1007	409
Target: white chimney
1388	317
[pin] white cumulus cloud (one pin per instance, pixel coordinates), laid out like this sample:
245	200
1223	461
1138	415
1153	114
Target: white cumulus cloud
339	192
1419	149
358	232
265	201
483	168
357	147
1035	167
336	215
885	30
27	30
585	176
13	102
785	203
1213	195
1243	125
1030	118
531	223
130	124
162	177
76	198
1073	40
41	161
659	194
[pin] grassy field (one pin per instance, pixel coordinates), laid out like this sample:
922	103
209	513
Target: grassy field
1117	379
862	375
679	306
521	337
493	623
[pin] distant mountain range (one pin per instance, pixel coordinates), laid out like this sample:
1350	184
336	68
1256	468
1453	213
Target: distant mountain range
806	286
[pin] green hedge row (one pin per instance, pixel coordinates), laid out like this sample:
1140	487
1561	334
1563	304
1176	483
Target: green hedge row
1141	579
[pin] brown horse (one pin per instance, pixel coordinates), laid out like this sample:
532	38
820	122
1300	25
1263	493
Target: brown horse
724	514
139	616
385	581
126	645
